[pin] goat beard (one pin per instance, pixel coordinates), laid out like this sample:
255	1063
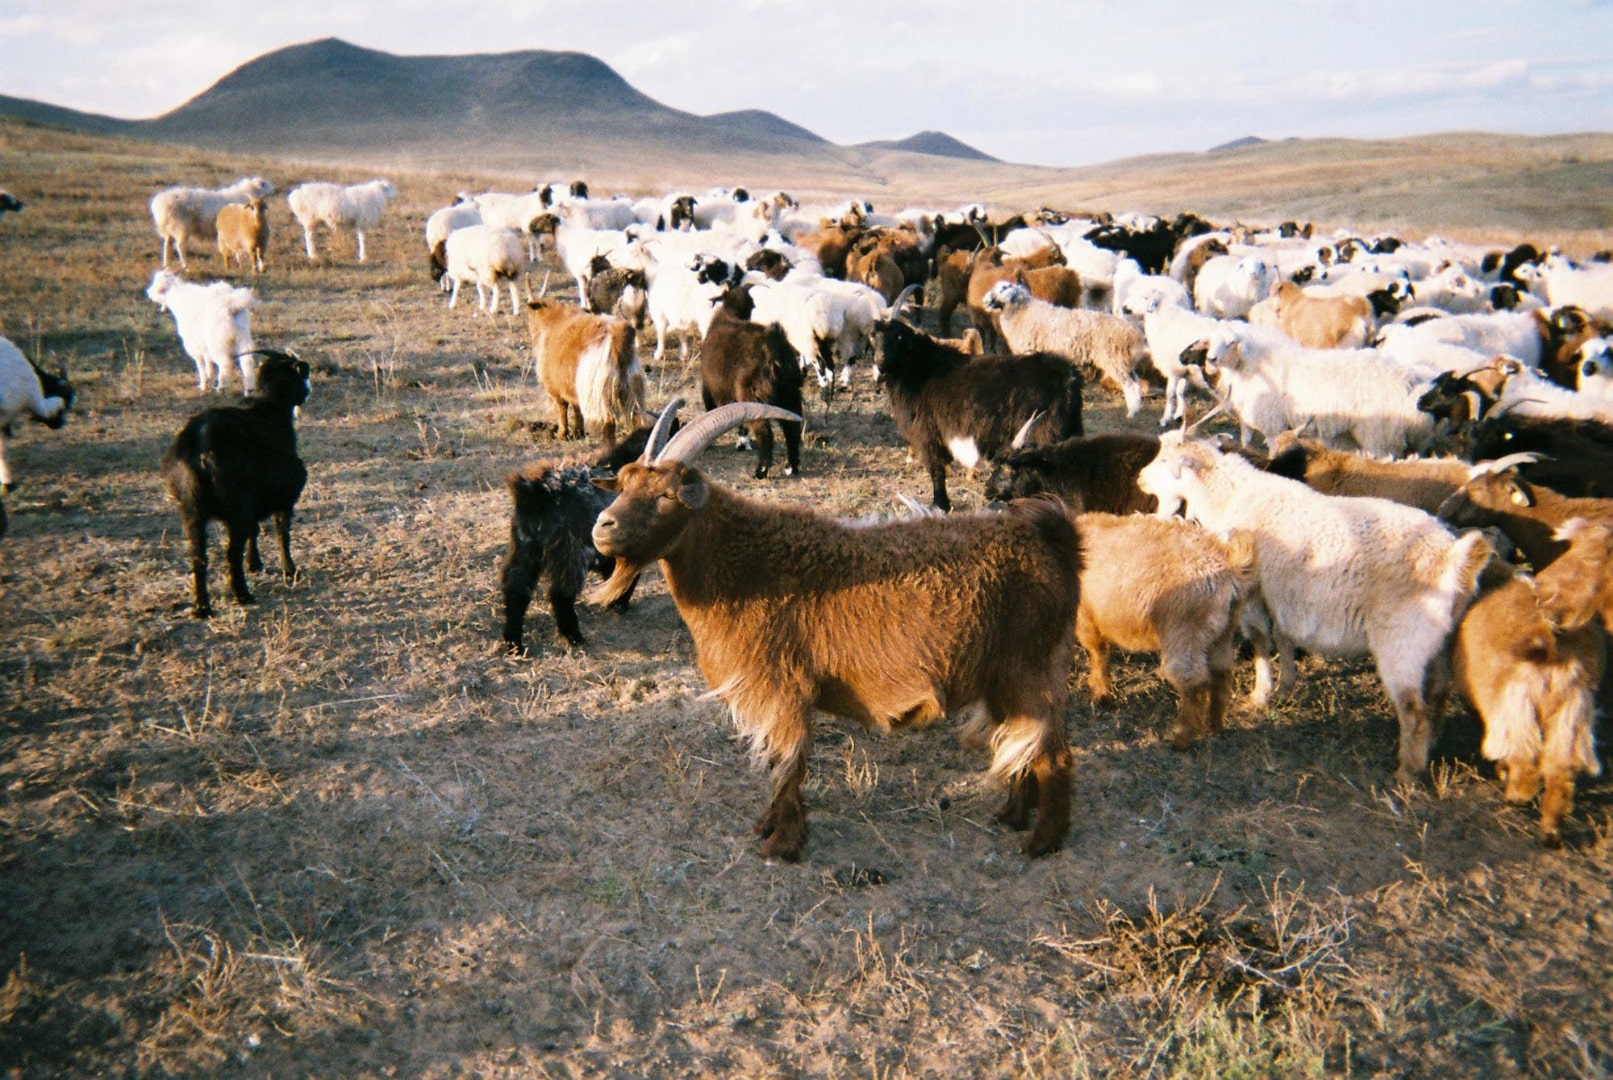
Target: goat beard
615	587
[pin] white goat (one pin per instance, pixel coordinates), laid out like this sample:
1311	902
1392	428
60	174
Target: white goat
1133	288
1338	576
355	206
484	255
213	325
1357	398
1170	330
183	214
1106	342
1228	286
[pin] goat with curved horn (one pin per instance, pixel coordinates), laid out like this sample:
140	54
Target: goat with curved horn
884	623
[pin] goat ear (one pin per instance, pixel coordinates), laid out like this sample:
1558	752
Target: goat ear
693	492
1522	495
608	483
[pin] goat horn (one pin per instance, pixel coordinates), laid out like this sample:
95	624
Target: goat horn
658	433
984	240
544	288
903	297
1025	431
688	443
1502	464
1220	406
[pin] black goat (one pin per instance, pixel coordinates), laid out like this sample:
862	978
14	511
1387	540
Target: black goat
238	464
953	406
1089	472
1151	247
1577	455
743	361
616	290
551	524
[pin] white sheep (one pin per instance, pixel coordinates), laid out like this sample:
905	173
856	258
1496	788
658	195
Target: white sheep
1560	282
213	324
356	206
183	214
1593	369
1106	342
26	390
1228	286
516	212
439	225
484	255
1339	576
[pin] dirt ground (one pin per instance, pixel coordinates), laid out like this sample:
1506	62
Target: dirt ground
342	834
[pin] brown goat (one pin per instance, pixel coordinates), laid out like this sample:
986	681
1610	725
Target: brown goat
1528	513
952	270
243	233
893	625
1057	285
1583	589
589	365
1421	482
991	266
1532	685
1164	585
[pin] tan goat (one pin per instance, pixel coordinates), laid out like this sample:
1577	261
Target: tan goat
1165	585
1316	321
243	233
589	365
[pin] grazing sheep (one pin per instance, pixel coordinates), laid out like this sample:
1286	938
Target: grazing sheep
9	203
28	390
183	214
483	255
1152	584
213	324
355	206
1338	577
588	364
894	624
243	233
238	464
442	222
1095	340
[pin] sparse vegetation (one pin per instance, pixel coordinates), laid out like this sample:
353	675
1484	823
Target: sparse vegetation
343	833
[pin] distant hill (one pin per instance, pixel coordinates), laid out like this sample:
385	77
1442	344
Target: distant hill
330	98
934	143
1238	144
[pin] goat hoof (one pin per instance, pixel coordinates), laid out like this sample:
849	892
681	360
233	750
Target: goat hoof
202	612
8	488
1551	838
1036	845
245	598
782	846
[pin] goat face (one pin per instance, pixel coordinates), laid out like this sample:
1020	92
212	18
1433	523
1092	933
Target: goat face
651	512
283	378
1018	476
1475	504
54	385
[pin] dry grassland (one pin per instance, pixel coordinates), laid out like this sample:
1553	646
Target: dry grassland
342	834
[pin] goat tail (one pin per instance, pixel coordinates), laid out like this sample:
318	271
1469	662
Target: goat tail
1241	556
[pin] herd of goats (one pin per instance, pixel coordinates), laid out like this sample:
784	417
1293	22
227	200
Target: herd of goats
1432	416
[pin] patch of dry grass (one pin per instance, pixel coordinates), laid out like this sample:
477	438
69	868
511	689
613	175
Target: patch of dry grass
341	833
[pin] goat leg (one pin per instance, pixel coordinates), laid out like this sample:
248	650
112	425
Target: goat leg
1052	772
235	552
519	577
783	825
282	532
196	543
1022	796
564	606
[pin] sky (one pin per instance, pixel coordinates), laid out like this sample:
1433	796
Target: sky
1067	82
